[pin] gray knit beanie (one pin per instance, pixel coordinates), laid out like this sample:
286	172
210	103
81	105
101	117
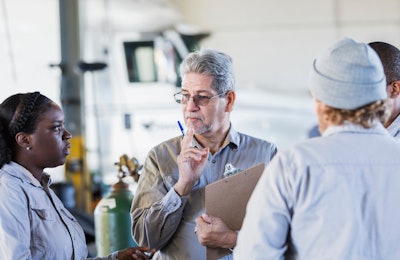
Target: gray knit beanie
348	75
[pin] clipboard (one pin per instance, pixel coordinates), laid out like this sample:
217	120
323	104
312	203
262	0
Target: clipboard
227	199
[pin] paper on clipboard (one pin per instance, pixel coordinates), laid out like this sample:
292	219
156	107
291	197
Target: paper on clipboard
227	199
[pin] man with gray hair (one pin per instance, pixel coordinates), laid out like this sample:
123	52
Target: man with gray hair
168	207
334	196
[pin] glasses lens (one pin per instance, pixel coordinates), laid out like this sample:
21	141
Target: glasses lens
201	100
178	98
198	100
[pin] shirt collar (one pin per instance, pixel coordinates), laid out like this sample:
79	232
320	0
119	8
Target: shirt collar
348	127
394	127
22	173
232	139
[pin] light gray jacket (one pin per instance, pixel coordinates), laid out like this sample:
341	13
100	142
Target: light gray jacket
34	224
330	197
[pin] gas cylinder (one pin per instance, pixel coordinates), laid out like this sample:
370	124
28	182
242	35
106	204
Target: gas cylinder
112	215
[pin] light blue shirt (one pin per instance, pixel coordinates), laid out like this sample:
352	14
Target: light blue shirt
34	224
394	127
330	197
161	218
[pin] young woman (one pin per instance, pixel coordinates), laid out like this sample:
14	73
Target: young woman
34	224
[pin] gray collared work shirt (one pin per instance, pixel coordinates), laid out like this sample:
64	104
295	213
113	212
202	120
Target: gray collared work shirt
161	218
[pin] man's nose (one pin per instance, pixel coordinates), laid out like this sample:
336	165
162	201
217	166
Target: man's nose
191	104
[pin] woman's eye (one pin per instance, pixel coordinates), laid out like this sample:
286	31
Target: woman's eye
57	128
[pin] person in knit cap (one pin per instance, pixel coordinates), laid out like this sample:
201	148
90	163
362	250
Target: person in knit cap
334	196
390	58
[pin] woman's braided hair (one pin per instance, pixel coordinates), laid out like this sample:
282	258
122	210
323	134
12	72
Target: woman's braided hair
19	113
19	121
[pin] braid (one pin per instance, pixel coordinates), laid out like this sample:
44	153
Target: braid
28	103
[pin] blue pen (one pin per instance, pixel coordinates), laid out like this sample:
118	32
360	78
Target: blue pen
181	128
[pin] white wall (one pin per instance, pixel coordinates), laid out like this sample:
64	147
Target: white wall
29	42
273	42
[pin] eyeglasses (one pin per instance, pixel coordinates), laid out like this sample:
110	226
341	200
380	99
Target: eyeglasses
198	100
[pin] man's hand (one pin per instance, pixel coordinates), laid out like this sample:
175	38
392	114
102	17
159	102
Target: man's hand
143	253
191	162
212	232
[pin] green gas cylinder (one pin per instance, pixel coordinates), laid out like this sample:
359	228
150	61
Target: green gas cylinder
112	219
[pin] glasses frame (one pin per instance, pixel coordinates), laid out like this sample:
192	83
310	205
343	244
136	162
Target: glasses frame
196	99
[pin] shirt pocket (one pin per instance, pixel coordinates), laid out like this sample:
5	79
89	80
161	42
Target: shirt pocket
43	214
43	223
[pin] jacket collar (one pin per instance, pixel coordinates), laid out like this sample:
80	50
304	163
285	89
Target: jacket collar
18	171
348	127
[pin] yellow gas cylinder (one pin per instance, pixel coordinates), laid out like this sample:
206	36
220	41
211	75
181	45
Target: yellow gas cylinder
111	216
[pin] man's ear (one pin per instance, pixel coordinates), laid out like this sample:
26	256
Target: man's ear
231	95
23	140
394	89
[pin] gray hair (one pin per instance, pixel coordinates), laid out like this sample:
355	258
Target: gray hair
211	63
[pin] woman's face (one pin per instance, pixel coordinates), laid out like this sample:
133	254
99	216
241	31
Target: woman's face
49	143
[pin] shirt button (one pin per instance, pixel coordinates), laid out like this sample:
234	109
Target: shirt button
213	161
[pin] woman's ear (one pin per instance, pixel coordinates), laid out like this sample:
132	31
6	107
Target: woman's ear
394	89
23	140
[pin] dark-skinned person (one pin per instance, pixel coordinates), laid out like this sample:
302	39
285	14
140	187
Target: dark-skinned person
335	196
390	58
168	211
34	224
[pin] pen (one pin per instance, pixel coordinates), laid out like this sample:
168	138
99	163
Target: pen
181	128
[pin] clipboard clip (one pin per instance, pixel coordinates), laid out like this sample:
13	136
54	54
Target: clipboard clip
230	170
